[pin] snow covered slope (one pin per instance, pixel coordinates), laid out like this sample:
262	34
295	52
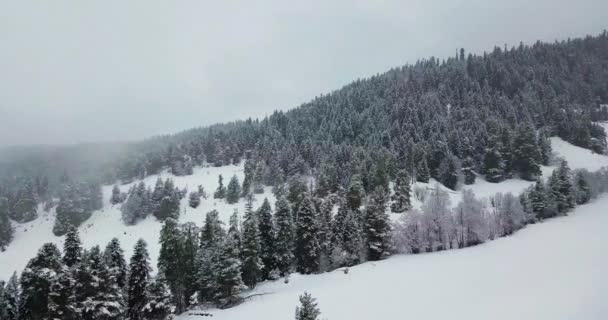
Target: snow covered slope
554	270
106	224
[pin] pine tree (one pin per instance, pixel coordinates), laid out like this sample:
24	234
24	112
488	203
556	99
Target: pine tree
356	192
159	304
169	204
190	249
72	248
6	229
36	280
562	190
61	299
220	193
9	307
233	193
422	171
308	309
25	207
467	171
115	260
249	171
296	189
448	172
139	279
401	193
252	263
212	235
170	264
194	199
545	148
526	156
116	197
307	243
538	200
324	222
583	191
494	165
267	238
351	241
285	232
377	227
229	281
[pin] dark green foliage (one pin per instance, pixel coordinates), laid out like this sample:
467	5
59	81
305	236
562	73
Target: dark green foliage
220	193
233	193
561	188
538	200
139	279
229	281
355	192
468	171
401	193
194	199
449	172
36	282
377	227
170	264
307	243
267	238
308	309
169	203
72	247
422	171
526	155
6	229
493	162
296	189
251	250
583	191
285	233
115	261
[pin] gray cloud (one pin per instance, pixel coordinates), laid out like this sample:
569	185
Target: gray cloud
73	71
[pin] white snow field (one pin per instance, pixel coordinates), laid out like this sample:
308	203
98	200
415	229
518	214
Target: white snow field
549	271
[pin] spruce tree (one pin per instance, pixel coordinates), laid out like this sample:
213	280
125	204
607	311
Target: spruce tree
36	281
308	309
307	243
194	199
139	280
229	281
467	171
355	192
72	247
494	165
526	156
562	189
252	263
220	193
267	238
170	264
448	172
583	191
233	193
116	197
538	200
114	259
377	227
212	235
160	305
423	173
189	268
545	148
285	233
401	193
6	229
9	307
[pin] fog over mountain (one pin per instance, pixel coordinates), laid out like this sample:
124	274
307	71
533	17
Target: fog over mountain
92	71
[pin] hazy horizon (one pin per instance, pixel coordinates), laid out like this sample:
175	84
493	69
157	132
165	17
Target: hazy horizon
75	72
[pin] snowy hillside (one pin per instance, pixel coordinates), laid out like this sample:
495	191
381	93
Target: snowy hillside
106	224
553	270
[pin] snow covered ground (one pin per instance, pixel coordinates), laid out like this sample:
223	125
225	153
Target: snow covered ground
106	223
554	270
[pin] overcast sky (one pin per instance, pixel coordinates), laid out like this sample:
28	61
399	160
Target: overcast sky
74	71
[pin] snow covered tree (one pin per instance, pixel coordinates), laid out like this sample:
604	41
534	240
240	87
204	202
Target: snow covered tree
468	171
401	193
545	148
9	302
493	163
469	220
252	263
36	281
194	199
561	187
296	189
308	309
229	281
212	235
139	280
448	172
72	247
437	220
115	261
307	243
169	204
249	171
61	299
233	193
583	191
356	192
267	238
159	304
220	193
169	262
285	233
526	154
25	207
538	199
116	197
6	228
423	173
377	227
510	215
